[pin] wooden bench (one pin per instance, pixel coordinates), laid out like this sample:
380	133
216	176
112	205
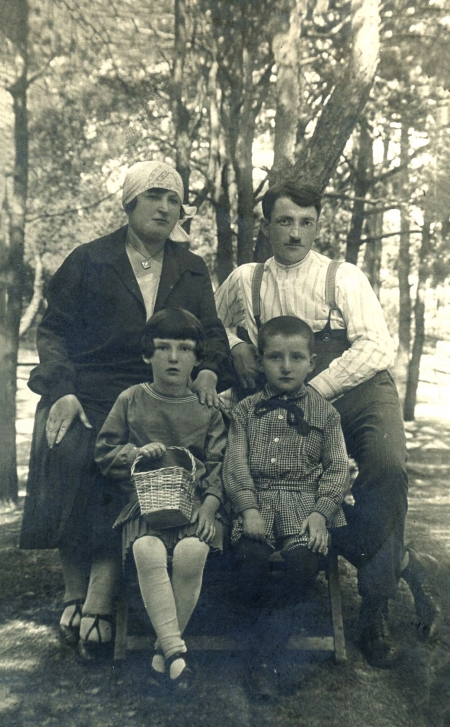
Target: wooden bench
219	642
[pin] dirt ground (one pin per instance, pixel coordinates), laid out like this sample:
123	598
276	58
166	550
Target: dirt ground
43	684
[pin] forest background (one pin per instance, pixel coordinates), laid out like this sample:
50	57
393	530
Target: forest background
350	95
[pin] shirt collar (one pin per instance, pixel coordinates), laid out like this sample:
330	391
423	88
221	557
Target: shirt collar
269	391
278	266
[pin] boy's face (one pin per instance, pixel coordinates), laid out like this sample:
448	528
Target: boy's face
172	363
286	362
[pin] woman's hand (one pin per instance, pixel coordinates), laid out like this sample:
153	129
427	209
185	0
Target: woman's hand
246	364
205	519
253	525
61	416
205	388
152	450
315	524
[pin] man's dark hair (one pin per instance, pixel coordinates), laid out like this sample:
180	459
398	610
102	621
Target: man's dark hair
303	195
285	326
175	323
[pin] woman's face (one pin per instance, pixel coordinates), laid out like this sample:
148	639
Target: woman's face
156	213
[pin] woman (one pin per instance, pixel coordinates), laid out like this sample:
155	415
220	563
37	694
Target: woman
89	351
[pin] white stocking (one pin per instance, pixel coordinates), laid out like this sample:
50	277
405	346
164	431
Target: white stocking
189	558
151	563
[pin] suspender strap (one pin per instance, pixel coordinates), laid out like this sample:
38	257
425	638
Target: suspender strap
256	293
330	284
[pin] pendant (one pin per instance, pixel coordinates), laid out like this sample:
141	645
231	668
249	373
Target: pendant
146	264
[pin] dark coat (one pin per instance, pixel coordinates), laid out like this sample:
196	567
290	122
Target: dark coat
89	345
89	337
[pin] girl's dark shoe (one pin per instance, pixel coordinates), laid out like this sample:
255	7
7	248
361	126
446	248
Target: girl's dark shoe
158	679
183	685
91	651
69	634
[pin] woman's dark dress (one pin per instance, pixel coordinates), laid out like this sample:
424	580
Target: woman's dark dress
89	345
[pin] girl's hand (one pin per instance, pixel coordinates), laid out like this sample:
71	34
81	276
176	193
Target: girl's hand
153	450
315	524
253	525
205	519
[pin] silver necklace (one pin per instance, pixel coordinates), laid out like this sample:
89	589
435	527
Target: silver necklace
146	264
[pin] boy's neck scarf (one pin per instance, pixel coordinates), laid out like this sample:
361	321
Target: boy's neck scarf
295	414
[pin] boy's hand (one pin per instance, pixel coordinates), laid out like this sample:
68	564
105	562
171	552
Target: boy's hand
205	388
254	525
315	524
205	518
153	450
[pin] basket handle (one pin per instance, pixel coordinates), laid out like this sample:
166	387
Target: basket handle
194	466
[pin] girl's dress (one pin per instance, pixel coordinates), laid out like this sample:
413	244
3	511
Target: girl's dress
140	416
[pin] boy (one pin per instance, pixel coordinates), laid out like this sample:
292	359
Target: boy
144	421
285	472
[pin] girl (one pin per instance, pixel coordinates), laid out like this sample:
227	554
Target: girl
144	421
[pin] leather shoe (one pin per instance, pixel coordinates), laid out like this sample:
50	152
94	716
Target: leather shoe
182	686
418	574
92	651
68	633
262	681
375	640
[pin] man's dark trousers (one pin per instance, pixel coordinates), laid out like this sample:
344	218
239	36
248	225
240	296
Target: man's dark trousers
373	539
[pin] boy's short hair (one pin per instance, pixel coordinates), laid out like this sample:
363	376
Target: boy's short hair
175	323
303	195
285	326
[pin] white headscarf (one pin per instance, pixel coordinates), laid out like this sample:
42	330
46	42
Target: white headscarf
148	175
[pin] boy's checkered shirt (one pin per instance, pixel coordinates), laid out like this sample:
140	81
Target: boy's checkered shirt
271	467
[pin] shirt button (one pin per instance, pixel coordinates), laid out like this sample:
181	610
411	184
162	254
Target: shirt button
276	439
273	460
280	416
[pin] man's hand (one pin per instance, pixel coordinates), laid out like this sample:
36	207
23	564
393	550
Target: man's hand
246	364
205	388
315	524
152	450
61	416
254	525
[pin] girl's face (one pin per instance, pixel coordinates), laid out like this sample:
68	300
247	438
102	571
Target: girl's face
286	362
172	363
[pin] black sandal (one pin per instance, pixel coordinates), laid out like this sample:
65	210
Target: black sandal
158	679
187	680
89	651
69	634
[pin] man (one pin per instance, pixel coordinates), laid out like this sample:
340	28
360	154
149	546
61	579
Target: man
294	282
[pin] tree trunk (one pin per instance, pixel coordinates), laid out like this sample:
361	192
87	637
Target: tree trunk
243	163
318	160
11	282
412	381
360	188
285	51
180	113
404	269
30	313
223	223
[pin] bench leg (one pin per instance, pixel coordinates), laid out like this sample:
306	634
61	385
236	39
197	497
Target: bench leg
120	644
336	607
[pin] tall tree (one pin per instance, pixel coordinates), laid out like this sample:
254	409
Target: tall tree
14	17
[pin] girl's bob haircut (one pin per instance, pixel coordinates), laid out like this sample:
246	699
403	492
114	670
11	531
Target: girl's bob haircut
175	323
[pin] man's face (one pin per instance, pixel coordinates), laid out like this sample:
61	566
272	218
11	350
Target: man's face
156	213
286	362
291	230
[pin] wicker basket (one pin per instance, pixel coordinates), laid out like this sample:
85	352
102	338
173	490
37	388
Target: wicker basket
166	494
